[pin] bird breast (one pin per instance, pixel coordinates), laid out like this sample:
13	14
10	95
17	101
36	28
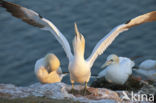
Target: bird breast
116	75
79	71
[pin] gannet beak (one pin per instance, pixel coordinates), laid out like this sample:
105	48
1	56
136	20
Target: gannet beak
105	64
77	33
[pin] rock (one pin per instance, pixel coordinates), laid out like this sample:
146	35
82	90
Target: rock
61	91
58	91
132	84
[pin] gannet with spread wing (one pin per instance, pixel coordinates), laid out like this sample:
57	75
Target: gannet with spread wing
79	68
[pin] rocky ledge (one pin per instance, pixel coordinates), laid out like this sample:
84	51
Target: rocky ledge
61	91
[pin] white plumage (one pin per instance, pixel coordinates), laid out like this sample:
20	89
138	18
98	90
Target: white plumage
48	70
148	65
118	69
148	69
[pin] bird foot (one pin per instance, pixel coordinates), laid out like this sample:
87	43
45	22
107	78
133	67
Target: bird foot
72	91
84	92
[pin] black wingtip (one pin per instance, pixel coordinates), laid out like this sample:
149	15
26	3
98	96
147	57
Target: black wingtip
127	21
40	16
1	2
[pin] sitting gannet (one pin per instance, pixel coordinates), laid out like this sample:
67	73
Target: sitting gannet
48	70
79	67
118	69
147	69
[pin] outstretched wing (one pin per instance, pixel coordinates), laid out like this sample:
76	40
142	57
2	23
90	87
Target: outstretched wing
102	45
33	18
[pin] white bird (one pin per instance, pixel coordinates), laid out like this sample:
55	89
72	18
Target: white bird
48	70
79	68
118	69
147	69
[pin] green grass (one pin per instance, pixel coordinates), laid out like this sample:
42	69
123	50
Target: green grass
35	100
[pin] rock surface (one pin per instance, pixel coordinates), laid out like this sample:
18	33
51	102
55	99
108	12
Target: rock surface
62	91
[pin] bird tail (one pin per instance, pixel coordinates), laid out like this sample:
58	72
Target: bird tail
63	75
94	76
135	67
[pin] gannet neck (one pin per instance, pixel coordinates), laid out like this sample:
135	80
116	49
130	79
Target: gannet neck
117	60
79	48
115	63
78	44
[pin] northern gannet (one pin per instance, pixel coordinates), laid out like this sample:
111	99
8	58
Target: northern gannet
118	69
147	69
79	68
48	70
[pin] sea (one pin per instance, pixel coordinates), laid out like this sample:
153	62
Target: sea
21	45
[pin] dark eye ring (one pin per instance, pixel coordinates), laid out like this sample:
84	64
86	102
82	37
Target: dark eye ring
111	60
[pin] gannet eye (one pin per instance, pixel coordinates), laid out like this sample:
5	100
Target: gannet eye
111	60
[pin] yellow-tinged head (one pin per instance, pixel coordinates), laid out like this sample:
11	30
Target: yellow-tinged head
52	62
78	42
111	59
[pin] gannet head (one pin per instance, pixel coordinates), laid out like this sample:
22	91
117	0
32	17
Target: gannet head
78	42
111	59
52	62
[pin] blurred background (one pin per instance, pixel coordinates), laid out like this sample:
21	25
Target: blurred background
21	44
